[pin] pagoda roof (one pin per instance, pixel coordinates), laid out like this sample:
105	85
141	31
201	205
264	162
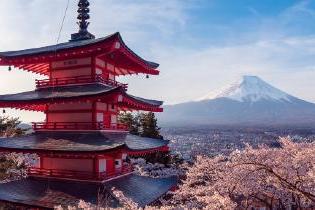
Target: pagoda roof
102	46
57	47
79	142
63	92
37	99
136	143
49	193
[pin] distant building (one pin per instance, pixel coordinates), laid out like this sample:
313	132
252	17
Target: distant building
83	149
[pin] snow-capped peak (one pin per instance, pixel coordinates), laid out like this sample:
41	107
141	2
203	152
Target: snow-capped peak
251	89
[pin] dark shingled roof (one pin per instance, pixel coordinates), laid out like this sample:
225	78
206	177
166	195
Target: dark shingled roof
44	193
137	143
69	92
58	93
54	48
147	101
73	45
143	190
79	142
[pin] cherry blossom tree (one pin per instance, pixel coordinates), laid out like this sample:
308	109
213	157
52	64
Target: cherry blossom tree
11	165
156	170
271	177
275	178
14	165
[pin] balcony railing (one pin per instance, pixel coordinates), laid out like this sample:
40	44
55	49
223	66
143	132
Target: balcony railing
81	175
63	81
78	126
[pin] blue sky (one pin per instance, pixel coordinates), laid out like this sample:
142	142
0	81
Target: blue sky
200	44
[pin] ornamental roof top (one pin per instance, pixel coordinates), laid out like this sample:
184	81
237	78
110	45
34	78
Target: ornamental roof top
83	16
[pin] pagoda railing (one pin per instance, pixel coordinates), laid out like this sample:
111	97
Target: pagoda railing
81	175
64	81
78	126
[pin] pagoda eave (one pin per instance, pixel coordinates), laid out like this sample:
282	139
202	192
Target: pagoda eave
137	103
85	154
38	100
81	142
48	193
41	106
38	60
163	149
68	154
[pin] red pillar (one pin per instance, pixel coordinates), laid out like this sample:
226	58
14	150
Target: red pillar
41	161
96	167
110	166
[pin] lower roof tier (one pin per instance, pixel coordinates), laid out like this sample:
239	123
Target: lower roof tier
37	100
44	193
81	142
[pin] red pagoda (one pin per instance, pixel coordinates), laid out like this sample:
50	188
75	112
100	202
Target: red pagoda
82	148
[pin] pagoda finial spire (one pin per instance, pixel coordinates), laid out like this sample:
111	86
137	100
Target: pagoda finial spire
83	22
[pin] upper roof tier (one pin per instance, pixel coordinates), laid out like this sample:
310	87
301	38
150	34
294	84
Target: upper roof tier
110	48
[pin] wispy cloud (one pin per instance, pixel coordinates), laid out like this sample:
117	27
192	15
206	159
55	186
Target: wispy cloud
284	62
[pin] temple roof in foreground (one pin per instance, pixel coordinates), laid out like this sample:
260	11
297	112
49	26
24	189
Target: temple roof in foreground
79	142
44	193
34	99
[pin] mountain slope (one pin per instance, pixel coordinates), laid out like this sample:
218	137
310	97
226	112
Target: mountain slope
249	101
250	88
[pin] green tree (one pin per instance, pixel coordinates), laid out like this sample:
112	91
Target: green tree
132	121
142	124
149	127
9	127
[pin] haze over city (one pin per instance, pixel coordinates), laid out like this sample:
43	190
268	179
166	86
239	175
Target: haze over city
201	45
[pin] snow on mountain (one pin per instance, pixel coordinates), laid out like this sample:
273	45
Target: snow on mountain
250	101
249	88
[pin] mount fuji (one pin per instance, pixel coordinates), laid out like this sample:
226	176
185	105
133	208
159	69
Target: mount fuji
250	101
